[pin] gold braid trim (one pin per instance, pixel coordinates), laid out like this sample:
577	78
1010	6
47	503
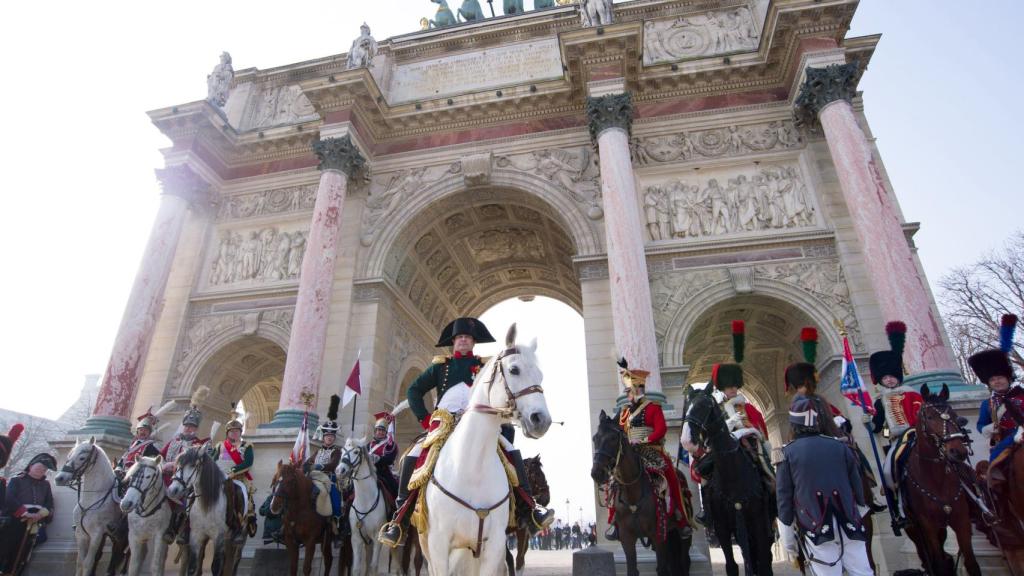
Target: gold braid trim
513	482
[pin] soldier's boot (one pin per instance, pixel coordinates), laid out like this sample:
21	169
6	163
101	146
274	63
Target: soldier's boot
612	533
703	517
344	528
175	524
393	533
540	517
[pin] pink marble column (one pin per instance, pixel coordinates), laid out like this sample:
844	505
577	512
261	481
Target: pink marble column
339	160
901	291
632	314
111	415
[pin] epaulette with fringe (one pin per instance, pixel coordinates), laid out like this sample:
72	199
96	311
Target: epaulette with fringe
439	359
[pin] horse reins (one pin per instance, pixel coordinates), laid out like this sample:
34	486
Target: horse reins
77	475
481	513
136	482
360	515
943	458
511	409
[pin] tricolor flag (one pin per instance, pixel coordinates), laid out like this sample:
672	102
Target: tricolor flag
353	387
301	448
851	386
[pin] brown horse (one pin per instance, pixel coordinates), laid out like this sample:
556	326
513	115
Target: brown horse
302	526
933	488
412	553
635	504
1007	532
542	494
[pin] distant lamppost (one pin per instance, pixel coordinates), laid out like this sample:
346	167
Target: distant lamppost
581	516
568	517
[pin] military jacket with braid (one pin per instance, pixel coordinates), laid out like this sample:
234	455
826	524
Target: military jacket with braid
445	372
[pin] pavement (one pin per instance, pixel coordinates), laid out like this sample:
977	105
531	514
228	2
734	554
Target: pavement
559	563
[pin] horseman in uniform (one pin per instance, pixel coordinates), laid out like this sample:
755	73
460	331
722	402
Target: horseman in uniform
802	377
383	450
184	439
1001	420
143	444
320	467
819	491
644	424
896	406
452	376
235	457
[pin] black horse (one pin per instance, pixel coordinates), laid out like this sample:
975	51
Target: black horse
635	511
739	503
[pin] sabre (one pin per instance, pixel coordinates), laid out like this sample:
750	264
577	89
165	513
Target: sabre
491	4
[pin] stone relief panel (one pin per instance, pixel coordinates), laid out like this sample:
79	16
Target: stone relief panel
246	257
268	202
404	345
822	279
390	190
571	169
715	142
671	292
732	202
278	105
201	330
498	245
710	34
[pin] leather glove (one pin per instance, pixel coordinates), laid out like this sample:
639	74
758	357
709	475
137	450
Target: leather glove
987	430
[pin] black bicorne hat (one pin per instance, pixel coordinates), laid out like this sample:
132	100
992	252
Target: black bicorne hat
45	459
469	326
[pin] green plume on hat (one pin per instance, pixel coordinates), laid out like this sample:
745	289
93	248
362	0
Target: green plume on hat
809	341
738	340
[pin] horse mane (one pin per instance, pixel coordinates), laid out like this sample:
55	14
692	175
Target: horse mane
211	479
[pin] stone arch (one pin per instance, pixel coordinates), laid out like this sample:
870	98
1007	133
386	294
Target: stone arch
682	323
585	233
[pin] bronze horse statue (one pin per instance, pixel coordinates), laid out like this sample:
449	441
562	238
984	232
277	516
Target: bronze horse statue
934	483
293	499
635	505
740	504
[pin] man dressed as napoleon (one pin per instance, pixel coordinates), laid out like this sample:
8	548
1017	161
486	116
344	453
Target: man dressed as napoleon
452	376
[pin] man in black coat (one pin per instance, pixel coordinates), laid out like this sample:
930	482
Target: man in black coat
820	492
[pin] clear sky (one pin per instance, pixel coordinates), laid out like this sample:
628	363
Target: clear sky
79	152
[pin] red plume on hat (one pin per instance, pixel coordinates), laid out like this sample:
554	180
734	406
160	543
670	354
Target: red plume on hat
738	339
7	442
809	342
804	373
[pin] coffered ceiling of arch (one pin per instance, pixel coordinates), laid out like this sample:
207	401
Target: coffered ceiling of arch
772	341
465	254
239	367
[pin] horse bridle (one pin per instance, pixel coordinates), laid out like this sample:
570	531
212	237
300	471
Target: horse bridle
136	482
940	441
77	473
511	409
612	467
354	467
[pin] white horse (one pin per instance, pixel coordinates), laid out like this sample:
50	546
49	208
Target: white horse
468	496
87	470
199	477
149	514
367	513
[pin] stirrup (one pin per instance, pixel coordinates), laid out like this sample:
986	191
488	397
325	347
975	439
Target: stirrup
387	537
541	517
612	533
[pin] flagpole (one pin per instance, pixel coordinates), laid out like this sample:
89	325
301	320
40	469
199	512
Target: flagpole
354	402
890	502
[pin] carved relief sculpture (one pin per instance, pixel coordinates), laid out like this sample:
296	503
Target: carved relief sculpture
715	142
218	82
279	105
773	198
267	202
709	34
265	255
388	192
572	170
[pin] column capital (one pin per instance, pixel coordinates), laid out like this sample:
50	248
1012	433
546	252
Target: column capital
609	111
339	154
183	182
822	86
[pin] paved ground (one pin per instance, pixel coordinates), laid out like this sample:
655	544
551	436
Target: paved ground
559	563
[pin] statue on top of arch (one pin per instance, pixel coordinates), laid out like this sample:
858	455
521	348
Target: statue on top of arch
596	12
363	50
218	82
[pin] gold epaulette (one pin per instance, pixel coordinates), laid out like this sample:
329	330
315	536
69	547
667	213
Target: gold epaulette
439	359
485	359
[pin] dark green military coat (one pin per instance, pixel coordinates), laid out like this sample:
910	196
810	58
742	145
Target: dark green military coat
443	373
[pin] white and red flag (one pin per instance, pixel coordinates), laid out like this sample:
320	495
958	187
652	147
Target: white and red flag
852	386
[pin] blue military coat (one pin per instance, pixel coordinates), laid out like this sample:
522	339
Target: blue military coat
817	481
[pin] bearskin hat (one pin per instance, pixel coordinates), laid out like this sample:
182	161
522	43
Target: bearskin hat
7	443
731	375
890	362
330	425
996	362
805	373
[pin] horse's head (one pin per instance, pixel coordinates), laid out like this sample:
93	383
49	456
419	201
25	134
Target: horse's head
284	486
197	472
939	425
608	444
143	477
354	459
701	418
81	458
521	396
538	481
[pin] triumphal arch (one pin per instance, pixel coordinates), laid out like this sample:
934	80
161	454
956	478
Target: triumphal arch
663	168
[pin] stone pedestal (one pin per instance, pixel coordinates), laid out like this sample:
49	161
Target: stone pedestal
111	414
593	562
339	160
632	317
898	286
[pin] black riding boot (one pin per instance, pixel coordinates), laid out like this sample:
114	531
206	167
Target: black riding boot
612	533
393	533
540	517
704	518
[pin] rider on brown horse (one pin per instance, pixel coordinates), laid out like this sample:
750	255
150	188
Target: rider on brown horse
320	466
1002	415
644	424
446	373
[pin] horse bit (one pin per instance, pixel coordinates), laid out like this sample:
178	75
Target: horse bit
511	409
136	482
